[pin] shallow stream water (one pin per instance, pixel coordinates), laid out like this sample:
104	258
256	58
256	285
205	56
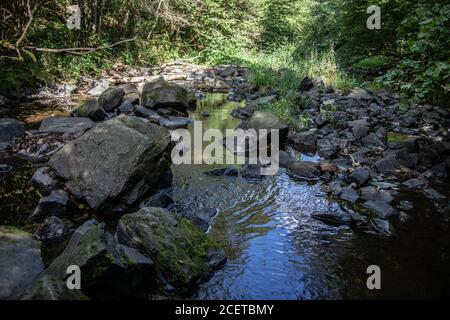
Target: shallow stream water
277	251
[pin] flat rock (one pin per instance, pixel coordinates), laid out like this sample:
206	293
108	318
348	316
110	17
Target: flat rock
350	195
306	139
305	170
381	208
333	218
359	176
66	125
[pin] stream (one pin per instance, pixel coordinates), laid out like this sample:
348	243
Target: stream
275	249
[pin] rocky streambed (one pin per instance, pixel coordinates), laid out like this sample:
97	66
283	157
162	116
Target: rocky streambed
366	183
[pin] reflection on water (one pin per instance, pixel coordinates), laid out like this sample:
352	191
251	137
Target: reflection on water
276	251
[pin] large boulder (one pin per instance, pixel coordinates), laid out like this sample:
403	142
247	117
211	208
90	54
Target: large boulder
10	129
117	162
161	93
108	269
20	261
182	253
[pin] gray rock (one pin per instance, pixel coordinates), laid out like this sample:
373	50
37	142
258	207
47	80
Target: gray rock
111	98
267	120
360	128
54	204
229	71
178	248
263	100
131	94
126	108
383	227
414	183
160	199
10	129
109	270
242	113
406	205
51	231
119	158
359	176
284	159
44	179
251	171
90	109
66	125
201	218
165	94
305	170
145	113
394	160
321	119
350	195
5	169
371	193
306	139
333	218
20	261
381	208
173	123
432	194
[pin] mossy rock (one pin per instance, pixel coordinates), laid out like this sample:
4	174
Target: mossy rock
182	253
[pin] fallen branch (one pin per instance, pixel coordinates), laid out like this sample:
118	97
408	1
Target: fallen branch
78	50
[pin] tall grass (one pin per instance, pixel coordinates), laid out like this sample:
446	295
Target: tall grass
284	68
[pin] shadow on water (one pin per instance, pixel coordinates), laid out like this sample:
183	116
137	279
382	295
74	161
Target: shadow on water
277	251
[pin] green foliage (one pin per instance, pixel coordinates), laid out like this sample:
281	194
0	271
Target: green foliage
423	74
374	62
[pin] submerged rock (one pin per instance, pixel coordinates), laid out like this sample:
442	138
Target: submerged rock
118	161
20	261
383	227
333	218
181	252
233	172
201	218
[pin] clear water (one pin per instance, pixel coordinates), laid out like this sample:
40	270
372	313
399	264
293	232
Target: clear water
277	251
